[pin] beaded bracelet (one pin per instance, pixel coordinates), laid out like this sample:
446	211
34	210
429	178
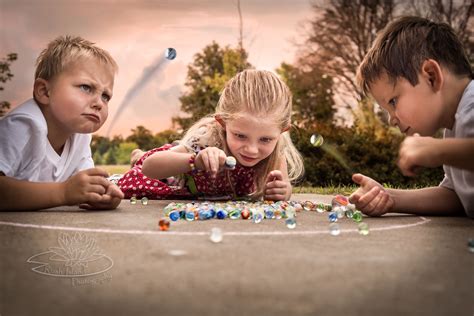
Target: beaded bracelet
191	161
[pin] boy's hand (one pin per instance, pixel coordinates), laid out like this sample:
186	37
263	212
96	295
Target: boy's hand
109	201
416	151
276	189
371	198
86	186
210	159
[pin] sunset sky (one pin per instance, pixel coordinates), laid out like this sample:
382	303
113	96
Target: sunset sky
136	33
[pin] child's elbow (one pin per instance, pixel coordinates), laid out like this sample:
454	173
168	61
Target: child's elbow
147	168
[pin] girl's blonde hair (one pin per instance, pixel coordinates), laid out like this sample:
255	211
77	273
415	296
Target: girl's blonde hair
263	95
64	50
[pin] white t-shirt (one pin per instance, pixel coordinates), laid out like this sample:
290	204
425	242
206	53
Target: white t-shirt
459	180
26	154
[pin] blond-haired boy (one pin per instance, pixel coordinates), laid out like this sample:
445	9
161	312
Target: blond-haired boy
45	156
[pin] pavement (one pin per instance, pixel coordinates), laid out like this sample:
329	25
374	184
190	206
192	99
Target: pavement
67	261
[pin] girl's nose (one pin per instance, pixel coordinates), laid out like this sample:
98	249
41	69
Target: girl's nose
251	148
393	120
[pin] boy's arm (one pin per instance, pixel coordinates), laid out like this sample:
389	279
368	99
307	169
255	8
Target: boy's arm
431	152
86	186
374	200
427	201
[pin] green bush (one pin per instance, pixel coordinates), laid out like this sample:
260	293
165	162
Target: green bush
363	152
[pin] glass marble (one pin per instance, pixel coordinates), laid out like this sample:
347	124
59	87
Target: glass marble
170	53
234	214
221	214
269	214
133	200
357	216
334	229
190	216
278	214
320	208
257	218
316	140
174	216
339	200
363	229
216	235
290	213
290	223
230	162
470	244
164	224
349	213
340	211
308	206
332	216
144	201
245	214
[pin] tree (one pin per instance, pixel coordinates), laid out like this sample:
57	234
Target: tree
166	137
100	145
206	77
312	95
6	75
123	152
111	156
340	35
142	137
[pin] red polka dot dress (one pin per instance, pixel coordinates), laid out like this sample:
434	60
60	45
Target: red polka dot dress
134	183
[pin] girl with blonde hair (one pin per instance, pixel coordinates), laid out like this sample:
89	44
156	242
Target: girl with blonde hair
251	123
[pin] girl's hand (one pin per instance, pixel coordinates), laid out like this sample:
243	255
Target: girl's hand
210	159
276	189
370	198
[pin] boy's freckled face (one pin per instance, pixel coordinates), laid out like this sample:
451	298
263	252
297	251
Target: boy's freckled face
79	96
413	109
251	139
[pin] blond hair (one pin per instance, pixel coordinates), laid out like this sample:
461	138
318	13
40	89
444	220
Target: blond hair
263	95
64	50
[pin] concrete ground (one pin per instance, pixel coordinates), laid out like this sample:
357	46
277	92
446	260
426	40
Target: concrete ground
121	264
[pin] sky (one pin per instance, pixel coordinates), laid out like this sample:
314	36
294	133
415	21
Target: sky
137	32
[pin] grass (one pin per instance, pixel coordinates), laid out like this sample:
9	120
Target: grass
329	190
111	169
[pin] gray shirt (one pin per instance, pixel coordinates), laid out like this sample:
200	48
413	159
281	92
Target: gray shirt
459	180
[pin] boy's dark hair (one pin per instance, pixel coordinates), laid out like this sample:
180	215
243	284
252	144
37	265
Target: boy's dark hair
403	45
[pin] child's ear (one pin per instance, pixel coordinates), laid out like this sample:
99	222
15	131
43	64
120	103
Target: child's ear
431	71
286	129
219	119
41	91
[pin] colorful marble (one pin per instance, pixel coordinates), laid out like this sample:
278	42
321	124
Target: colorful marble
363	229
290	223
216	235
357	216
164	224
334	229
